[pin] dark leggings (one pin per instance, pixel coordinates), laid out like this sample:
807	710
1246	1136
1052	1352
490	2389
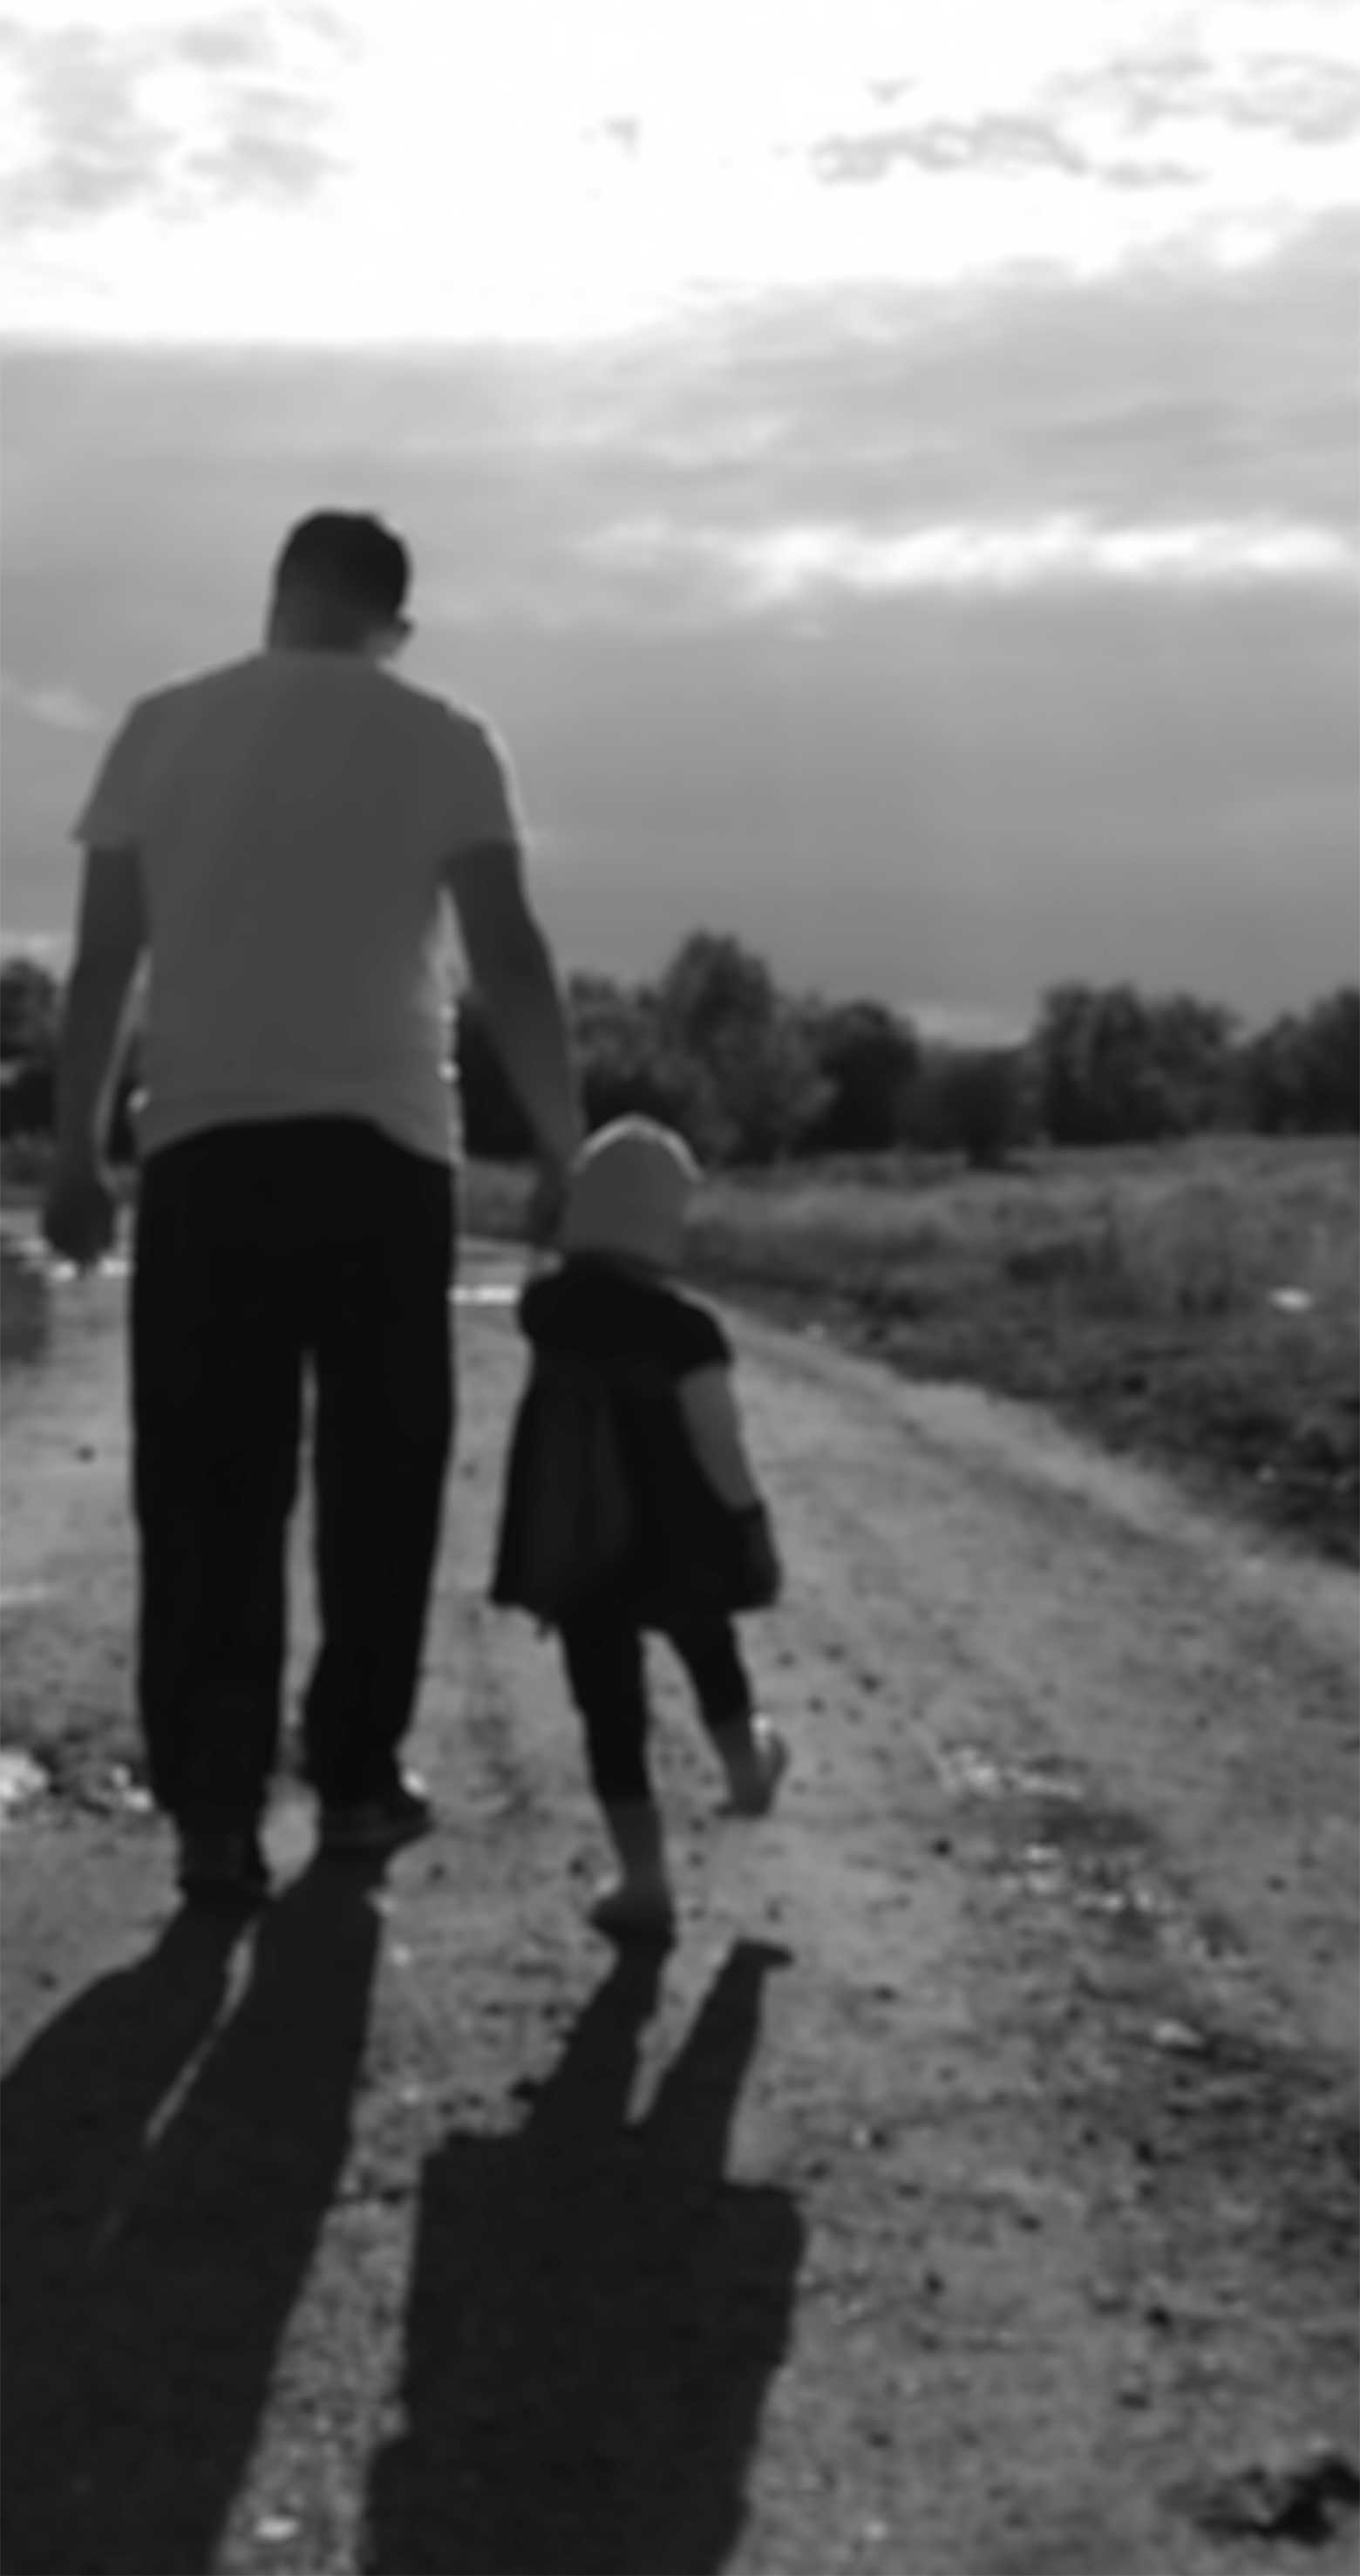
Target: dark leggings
605	1670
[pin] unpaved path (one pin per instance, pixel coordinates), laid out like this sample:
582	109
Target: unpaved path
972	2193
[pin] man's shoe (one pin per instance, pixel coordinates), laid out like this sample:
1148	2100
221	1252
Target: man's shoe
399	1815
643	1915
222	1865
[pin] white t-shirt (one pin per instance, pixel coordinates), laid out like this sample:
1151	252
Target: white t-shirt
293	813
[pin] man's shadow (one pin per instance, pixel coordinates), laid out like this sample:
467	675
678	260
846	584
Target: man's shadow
594	2317
164	2188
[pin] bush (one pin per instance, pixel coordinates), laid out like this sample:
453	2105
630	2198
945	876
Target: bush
1302	1076
30	1002
869	1061
718	1009
973	1101
28	1098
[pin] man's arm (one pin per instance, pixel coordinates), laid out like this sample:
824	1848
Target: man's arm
110	939
511	965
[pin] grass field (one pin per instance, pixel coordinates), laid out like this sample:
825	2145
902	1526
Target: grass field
1198	1303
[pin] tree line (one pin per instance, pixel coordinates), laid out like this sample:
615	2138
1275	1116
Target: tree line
753	1074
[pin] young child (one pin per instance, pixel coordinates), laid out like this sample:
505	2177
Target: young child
630	1504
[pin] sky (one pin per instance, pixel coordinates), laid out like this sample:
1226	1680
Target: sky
886	472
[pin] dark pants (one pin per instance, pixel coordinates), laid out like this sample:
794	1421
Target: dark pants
605	1670
261	1249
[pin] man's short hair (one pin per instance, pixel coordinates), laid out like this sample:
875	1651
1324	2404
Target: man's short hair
349	557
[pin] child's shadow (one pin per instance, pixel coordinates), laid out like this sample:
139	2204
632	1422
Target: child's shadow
594	2316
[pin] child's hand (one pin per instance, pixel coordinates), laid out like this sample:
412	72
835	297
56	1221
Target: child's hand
762	1576
547	1202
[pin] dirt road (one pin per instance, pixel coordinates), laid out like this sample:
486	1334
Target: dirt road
971	2193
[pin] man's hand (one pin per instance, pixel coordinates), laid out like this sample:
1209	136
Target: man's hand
513	971
80	1214
547	1205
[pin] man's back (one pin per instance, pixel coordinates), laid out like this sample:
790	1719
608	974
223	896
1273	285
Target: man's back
293	812
276	836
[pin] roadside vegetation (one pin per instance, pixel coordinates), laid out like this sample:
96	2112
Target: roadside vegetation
1142	1216
1196	1304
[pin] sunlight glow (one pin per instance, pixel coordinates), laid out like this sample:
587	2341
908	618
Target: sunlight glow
556	169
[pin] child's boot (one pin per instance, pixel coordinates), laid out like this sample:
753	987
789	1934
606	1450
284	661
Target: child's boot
639	1906
755	1758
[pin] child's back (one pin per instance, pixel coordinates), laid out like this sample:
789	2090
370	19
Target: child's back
629	1502
643	1342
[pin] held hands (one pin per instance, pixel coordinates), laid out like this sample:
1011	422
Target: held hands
80	1213
547	1205
559	1142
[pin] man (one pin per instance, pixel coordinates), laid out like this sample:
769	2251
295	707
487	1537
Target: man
278	836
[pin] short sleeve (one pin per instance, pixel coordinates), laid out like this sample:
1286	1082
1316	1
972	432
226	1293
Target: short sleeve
695	1339
480	799
114	813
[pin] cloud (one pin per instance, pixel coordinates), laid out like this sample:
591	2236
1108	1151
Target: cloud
166	119
1015	143
1190	398
1192	430
956	794
417	171
1249	79
238	43
768	569
64	710
93	146
623	132
268	149
1019	602
1155	115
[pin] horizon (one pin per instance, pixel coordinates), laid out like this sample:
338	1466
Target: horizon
936	1024
906	520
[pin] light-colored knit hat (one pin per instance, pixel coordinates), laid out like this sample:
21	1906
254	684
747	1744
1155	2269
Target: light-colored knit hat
631	1186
